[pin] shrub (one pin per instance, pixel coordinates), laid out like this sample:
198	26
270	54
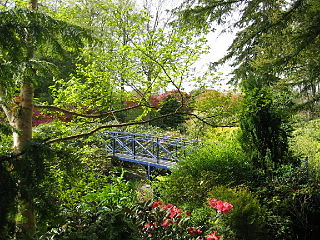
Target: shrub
159	221
293	203
95	224
305	144
203	168
98	215
246	220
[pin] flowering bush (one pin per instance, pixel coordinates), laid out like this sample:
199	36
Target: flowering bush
221	206
157	220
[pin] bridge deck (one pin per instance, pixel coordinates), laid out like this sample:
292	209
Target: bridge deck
146	161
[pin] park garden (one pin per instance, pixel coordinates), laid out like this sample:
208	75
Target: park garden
72	70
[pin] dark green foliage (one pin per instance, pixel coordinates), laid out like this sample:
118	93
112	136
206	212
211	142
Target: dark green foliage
293	203
169	105
101	214
275	37
31	173
29	43
98	223
8	191
264	135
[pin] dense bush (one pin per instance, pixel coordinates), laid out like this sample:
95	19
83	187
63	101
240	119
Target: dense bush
246	220
96	223
293	203
203	168
306	145
265	127
169	106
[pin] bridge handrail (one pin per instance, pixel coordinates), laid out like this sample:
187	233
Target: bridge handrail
148	135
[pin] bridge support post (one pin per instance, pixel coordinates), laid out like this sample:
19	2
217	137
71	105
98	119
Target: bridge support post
158	150
134	147
149	172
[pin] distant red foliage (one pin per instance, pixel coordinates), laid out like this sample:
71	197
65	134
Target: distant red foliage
156	100
40	118
130	103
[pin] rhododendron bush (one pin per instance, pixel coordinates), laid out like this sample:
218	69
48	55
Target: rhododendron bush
156	220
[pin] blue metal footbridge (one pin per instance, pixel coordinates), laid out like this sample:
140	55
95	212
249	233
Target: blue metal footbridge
148	150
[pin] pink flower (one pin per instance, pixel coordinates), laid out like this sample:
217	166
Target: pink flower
169	205
149	226
188	213
221	206
167	222
156	204
213	236
174	211
194	231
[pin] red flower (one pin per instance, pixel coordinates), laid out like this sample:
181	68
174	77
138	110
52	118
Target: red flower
213	236
167	222
156	204
149	226
169	205
174	211
221	206
194	231
188	213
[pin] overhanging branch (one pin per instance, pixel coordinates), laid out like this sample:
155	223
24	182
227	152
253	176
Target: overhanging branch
107	126
130	124
94	115
208	123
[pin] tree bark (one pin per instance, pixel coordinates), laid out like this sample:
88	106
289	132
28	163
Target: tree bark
22	120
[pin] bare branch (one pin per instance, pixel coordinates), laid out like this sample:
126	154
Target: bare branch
107	126
208	123
130	124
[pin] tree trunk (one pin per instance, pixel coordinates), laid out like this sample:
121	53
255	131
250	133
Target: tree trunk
21	119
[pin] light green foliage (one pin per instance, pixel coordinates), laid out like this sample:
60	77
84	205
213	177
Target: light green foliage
5	138
203	168
132	59
222	107
215	109
306	144
246	220
117	192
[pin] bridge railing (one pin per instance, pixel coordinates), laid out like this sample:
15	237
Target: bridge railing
137	145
